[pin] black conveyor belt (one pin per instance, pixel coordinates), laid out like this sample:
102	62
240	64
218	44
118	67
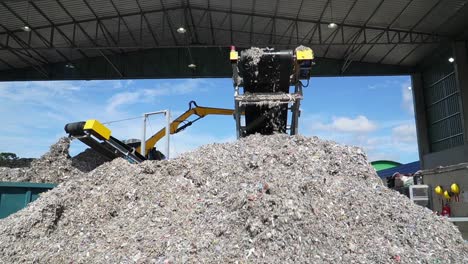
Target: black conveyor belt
270	75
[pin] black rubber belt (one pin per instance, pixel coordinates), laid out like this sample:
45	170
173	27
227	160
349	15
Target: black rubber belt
276	65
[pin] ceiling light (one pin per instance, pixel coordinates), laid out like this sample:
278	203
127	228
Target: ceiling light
181	30
26	28
332	25
192	66
69	65
451	59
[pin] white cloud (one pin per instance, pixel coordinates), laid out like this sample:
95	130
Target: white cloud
384	85
120	99
392	140
58	86
186	87
360	124
118	85
151	94
388	155
404	133
34	113
407	99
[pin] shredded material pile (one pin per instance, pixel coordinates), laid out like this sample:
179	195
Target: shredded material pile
55	166
274	199
88	160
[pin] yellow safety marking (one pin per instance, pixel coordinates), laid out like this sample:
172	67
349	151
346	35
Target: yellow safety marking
97	129
306	54
233	55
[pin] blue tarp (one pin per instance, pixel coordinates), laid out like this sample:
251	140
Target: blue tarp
409	168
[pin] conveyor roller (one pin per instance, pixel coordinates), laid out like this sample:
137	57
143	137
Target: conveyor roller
266	76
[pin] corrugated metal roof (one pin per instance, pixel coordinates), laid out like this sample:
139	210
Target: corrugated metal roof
254	22
406	169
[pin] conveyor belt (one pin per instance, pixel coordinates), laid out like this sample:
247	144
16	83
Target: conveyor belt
264	73
101	142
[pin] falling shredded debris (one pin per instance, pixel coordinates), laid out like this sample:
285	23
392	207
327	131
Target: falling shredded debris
261	199
253	54
55	166
269	99
301	48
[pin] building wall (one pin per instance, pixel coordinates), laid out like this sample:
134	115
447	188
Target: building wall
441	106
445	177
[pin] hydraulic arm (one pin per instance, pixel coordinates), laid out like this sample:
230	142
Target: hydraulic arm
99	137
180	123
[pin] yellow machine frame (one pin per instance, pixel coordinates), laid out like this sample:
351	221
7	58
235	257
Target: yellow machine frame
200	111
99	137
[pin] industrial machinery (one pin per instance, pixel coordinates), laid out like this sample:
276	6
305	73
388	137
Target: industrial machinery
99	137
266	76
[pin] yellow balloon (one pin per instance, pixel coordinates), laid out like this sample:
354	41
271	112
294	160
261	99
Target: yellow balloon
454	188
438	190
446	195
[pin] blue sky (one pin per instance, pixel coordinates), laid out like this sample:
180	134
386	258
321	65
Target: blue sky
375	113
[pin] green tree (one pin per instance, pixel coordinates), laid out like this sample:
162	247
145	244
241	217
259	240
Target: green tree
8	156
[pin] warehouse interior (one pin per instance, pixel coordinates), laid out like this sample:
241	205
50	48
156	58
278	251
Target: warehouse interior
84	40
144	39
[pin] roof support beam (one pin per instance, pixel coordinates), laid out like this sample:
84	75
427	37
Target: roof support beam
346	26
296	25
35	67
350	52
125	22
318	25
116	69
33	29
419	45
56	28
76	23
413	27
148	24
389	26
211	59
288	18
233	12
230	24
6	63
342	29
25	46
363	28
213	39
103	27
425	40
192	21
285	32
251	19
273	25
169	22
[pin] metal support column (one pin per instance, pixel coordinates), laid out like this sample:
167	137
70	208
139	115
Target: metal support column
167	113
168	132
460	54
237	113
295	110
420	115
